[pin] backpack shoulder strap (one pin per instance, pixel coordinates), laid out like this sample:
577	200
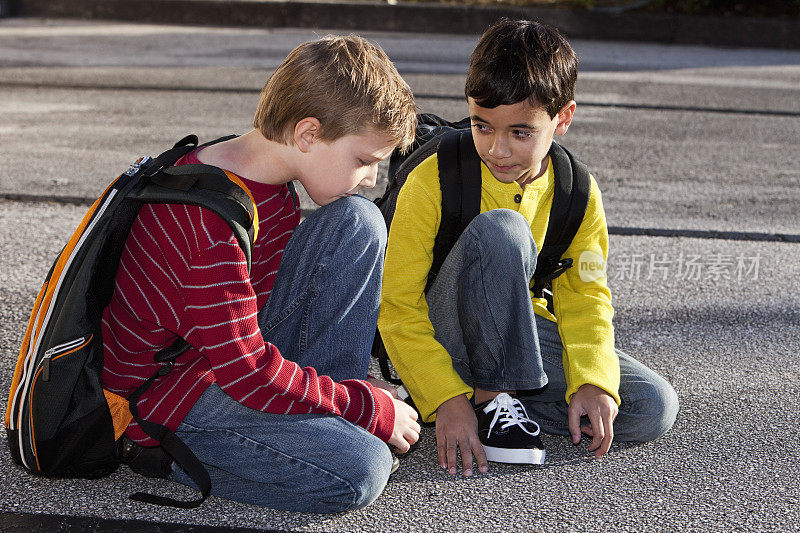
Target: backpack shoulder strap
202	185
212	188
181	148
460	183
171	443
470	167
171	156
427	136
570	198
400	168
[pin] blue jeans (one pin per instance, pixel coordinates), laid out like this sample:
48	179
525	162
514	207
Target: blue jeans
498	343
322	312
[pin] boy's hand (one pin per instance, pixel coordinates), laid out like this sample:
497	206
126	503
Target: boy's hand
601	409
457	429
406	429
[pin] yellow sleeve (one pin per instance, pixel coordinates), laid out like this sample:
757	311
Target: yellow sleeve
422	363
582	305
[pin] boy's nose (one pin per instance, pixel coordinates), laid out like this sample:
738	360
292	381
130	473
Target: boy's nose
499	148
371	179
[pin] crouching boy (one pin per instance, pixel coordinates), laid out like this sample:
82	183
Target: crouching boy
478	334
272	397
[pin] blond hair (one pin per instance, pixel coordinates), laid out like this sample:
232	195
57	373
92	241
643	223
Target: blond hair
347	83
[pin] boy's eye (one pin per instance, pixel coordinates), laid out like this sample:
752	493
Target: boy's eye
481	127
523	134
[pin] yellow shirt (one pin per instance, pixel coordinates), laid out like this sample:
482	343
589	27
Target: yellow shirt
582	307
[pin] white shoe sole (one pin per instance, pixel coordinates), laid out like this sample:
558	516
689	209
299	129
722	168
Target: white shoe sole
516	456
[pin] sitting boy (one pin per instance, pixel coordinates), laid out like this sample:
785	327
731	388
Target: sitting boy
479	333
278	352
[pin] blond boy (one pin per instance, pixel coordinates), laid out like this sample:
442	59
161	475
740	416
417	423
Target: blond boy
273	396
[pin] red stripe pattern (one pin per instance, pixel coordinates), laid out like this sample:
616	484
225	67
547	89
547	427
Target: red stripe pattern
182	273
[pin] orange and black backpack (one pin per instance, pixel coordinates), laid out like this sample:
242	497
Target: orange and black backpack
59	421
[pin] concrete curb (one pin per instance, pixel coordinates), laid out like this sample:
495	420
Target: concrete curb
428	18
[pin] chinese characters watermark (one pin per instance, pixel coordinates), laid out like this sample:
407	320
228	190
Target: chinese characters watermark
685	267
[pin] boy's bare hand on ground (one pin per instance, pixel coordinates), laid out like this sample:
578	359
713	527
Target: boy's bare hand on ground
601	409
457	429
406	428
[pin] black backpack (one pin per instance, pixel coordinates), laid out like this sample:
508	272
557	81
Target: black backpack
59	420
460	183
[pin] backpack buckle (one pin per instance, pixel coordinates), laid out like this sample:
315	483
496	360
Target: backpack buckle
560	267
146	461
549	270
166	369
142	162
172	352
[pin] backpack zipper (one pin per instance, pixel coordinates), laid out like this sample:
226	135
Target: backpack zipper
55	350
25	382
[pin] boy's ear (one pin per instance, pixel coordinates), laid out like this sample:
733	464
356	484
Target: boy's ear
306	133
565	118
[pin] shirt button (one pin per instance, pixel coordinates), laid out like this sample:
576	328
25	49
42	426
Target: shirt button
518	198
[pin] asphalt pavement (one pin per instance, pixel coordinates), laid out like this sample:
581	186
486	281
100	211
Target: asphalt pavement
697	143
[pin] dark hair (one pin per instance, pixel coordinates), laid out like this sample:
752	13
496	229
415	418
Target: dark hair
518	60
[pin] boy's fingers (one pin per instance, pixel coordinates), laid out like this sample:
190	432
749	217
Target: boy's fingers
597	430
440	448
480	456
466	459
400	443
606	445
574	419
608	425
408	439
452	457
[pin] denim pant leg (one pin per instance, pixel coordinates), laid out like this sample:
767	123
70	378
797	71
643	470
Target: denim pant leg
304	463
480	304
649	403
323	309
322	312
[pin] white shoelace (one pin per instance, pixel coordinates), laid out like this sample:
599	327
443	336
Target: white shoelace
509	411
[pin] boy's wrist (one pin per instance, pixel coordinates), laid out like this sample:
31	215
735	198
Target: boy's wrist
383	419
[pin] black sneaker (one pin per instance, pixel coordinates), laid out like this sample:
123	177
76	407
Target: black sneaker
506	432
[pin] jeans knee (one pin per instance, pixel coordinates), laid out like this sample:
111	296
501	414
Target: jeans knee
659	411
507	232
670	405
364	220
369	475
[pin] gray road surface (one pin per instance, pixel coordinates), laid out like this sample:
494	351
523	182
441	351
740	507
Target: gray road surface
678	138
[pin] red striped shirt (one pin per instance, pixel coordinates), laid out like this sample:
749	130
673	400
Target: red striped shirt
182	273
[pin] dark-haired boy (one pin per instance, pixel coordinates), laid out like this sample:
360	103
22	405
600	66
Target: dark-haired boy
478	333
